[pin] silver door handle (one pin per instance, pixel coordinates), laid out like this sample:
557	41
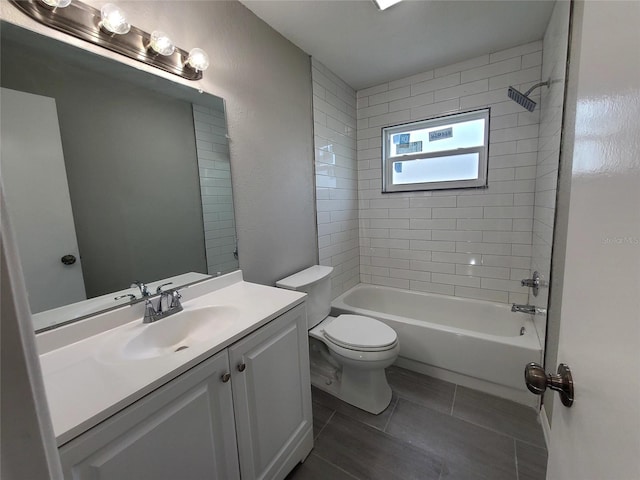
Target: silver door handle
538	381
68	259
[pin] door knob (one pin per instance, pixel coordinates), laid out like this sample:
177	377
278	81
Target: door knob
68	259
225	377
538	381
241	367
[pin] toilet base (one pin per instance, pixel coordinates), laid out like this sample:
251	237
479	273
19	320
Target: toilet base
365	389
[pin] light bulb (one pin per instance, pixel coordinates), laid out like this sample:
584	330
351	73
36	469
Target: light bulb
56	3
384	4
161	43
114	20
198	59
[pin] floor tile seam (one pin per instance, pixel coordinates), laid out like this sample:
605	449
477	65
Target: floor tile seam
409	399
453	402
336	466
325	424
401	441
515	458
504	434
393	438
390	415
533	445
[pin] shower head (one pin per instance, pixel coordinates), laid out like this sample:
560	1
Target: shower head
523	98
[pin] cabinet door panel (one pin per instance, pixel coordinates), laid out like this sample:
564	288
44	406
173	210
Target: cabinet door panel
184	430
272	394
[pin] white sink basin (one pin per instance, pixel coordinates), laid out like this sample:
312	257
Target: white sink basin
172	334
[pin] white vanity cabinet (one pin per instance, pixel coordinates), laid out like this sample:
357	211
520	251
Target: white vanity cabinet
272	397
206	424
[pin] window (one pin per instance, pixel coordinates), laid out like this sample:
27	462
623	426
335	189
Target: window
443	152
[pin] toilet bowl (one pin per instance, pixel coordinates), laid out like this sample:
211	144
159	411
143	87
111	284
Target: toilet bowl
348	353
363	347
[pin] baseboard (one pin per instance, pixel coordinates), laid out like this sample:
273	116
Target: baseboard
546	427
523	396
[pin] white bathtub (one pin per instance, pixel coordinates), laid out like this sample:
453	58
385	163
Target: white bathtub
471	342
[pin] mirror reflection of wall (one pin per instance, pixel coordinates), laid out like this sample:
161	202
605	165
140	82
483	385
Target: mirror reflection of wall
147	170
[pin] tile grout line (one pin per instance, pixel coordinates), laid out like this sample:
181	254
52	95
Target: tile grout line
442	465
515	457
484	427
504	434
336	466
453	402
391	415
325	424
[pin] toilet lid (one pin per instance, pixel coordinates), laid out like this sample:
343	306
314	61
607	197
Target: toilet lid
360	333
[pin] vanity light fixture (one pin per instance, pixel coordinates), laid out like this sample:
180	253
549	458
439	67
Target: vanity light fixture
161	43
109	28
384	4
56	3
113	19
198	59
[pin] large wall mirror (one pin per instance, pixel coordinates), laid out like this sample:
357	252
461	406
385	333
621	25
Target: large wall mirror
111	175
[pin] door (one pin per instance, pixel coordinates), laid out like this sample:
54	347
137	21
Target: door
598	438
182	431
272	397
38	201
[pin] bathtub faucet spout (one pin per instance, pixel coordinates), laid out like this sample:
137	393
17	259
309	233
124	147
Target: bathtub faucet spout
530	309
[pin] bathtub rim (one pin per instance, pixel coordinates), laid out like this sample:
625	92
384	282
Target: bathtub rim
529	340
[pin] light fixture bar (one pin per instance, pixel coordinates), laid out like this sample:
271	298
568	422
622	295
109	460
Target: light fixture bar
83	21
384	4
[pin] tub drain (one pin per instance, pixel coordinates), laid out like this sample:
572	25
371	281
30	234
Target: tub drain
181	348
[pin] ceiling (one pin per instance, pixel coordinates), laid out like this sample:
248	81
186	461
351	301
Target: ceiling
366	47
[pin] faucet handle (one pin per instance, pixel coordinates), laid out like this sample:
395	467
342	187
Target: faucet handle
534	283
150	312
143	288
175	299
159	289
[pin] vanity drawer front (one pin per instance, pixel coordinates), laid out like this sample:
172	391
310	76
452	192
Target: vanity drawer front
184	430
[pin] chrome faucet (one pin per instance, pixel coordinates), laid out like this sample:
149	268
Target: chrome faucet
168	304
530	309
144	291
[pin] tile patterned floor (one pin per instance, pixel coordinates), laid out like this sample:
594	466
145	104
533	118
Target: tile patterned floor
431	430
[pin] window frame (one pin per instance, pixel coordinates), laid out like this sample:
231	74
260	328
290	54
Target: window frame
483	153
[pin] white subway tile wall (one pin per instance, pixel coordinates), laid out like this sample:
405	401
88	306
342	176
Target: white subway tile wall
212	149
467	243
334	118
553	67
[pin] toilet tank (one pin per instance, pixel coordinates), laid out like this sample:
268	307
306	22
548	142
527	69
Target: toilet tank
316	283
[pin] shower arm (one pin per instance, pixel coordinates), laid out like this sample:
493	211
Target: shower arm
541	84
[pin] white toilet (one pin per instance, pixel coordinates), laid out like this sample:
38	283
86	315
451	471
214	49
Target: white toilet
348	353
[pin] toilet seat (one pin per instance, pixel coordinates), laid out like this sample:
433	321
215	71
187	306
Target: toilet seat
359	333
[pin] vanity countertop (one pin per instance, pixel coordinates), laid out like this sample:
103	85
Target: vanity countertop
86	384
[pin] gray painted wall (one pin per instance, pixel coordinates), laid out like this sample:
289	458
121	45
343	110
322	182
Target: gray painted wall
266	82
130	156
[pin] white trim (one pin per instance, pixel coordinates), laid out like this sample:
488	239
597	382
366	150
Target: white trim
546	427
460	117
26	414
